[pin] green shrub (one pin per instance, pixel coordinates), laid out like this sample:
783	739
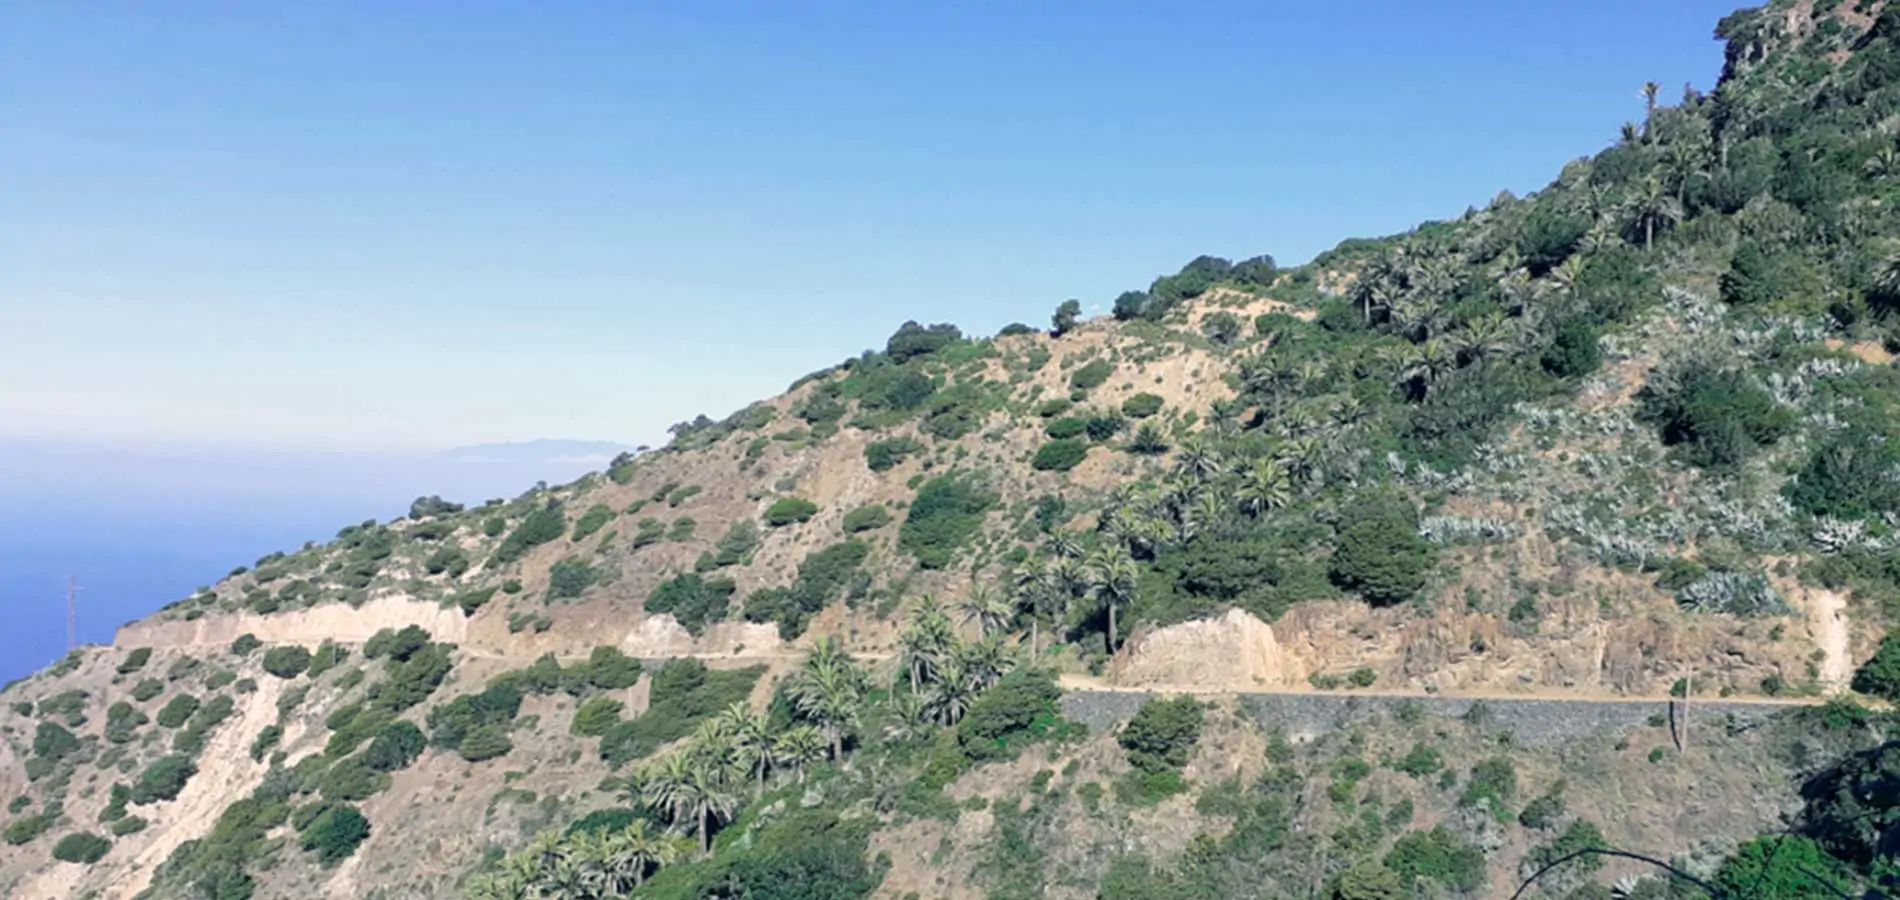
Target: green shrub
541	526
335	833
1091	376
163	779
117	797
147	689
790	510
288	661
1846	477
1544	811
821	577
267	740
180	668
683	694
328	655
884	455
447	560
122	721
693	600
569	578
493	526
1493	785
1420	761
127	825
398	645
494	706
736	547
1001	719
1879	676
1380	555
1573	350
485	742
352	779
53	743
681	530
1102	425
1440	856
596	715
1059	455
177	711
1713	417
412	678
1162	734
471	601
25	830
1066	428
135	660
1054	406
81	847
946	514
395	747
592	520
1141	406
245	645
866	518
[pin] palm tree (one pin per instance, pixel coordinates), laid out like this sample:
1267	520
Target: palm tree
829	691
798	747
1265	487
989	610
502	885
1484	337
751	736
1116	579
922	646
907	715
630	852
1224	413
984	663
1064	545
1650	90
1425	364
1197	458
1652	206
1029	585
1885	162
690	787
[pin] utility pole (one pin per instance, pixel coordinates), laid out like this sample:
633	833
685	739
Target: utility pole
72	613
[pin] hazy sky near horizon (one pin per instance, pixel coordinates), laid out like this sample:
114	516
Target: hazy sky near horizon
401	226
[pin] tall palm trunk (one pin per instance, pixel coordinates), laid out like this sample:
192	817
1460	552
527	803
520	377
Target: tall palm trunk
1035	634
1649	234
1111	627
705	831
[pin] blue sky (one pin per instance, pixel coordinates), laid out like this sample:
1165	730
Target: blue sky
406	226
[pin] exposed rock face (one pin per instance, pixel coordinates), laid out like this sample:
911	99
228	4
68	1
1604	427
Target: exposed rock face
1234	652
337	622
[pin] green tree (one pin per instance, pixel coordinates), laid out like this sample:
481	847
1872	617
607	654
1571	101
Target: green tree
790	510
82	847
828	690
335	833
1880	675
485	742
1066	317
691	787
288	661
1380	555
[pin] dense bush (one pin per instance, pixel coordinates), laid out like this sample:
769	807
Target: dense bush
1714	417
397	645
147	689
411	679
693	600
1879	676
822	576
335	833
1493	786
1440	856
913	340
946	514
1574	351
684	693
1141	406
1162	734
1092	375
1066	427
1019	707
163	779
569	578
450	561
1380	555
541	526
352	779
866	518
177	711
135	660
735	548
122	721
395	747
485	742
1849	477
53	743
245	645
884	455
596	715
328	655
81	847
494	706
288	661
432	506
1059	455
24	830
790	510
596	517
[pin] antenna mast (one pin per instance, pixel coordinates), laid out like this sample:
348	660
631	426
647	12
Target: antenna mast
72	613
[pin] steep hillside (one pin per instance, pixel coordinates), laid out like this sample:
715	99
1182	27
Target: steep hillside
1628	439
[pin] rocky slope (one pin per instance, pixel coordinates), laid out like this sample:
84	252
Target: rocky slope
1620	439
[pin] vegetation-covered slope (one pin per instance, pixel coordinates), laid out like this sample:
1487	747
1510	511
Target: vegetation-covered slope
1628	436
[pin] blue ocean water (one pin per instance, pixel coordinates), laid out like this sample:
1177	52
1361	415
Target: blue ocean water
140	529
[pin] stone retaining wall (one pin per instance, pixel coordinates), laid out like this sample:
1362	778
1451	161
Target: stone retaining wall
1535	723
